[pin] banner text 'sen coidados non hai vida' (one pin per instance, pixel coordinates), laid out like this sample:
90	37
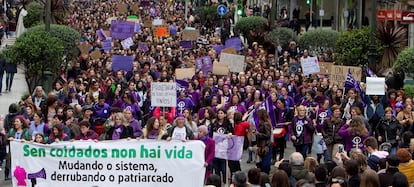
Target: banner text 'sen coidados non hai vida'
108	163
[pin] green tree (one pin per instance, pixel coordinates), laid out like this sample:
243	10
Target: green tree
34	15
282	36
70	38
253	28
352	47
405	61
39	52
60	9
393	39
320	40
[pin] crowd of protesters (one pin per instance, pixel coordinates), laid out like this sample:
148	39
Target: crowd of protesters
365	140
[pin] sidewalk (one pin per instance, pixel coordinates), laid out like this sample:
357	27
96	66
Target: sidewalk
19	87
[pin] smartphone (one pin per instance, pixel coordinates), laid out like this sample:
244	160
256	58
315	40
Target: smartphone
340	148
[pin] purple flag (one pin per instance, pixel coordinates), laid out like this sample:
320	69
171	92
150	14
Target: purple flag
228	148
181	85
268	106
369	72
186	44
122	62
122	29
350	81
205	64
234	42
107	44
101	34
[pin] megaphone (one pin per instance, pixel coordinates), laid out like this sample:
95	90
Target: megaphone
34	176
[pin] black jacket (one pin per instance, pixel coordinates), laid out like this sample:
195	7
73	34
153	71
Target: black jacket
2	65
11	68
389	130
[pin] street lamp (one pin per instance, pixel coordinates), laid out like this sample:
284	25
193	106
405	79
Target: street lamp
372	50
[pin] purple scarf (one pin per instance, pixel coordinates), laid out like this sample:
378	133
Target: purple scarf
116	135
153	134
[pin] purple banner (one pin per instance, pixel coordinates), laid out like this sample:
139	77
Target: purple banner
234	42
137	28
228	148
205	64
186	44
145	4
143	47
107	44
122	29
122	62
101	34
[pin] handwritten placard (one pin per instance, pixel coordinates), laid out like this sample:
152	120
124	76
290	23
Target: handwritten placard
163	94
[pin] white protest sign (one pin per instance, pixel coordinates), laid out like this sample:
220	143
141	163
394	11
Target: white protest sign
163	94
157	21
235	62
127	43
310	65
121	163
375	86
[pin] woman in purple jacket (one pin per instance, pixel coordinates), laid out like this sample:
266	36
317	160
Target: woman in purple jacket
209	151
302	131
354	133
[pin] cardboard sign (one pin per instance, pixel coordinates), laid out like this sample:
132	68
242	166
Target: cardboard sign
325	68
338	74
95	55
161	31
107	33
220	69
230	50
135	7
84	48
375	86
147	23
235	62
121	8
182	73
190	35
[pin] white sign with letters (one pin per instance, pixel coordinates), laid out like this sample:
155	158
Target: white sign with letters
163	94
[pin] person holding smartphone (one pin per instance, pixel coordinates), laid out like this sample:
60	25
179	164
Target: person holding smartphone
354	133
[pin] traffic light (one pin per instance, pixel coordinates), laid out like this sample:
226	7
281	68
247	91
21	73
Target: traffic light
308	2
239	7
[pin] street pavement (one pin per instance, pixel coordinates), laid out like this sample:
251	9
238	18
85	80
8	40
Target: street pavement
19	87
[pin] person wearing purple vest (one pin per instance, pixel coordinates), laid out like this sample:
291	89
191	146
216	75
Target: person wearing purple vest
302	131
86	133
209	151
184	102
354	133
101	110
38	126
236	105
